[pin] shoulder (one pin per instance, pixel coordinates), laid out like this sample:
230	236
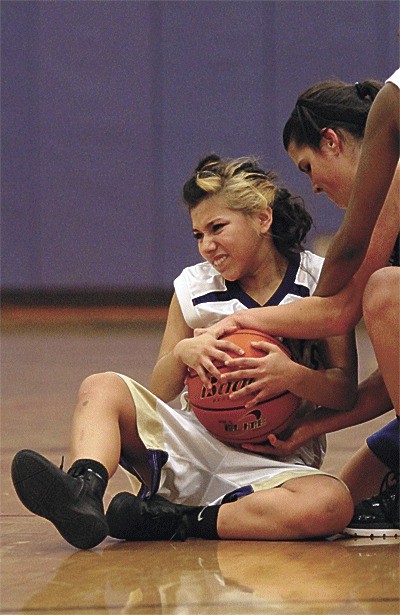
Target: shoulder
199	278
395	78
195	288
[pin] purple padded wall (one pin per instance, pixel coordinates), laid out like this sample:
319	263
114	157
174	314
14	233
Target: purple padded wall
107	107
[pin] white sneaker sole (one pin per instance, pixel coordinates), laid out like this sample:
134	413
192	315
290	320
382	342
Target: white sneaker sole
372	533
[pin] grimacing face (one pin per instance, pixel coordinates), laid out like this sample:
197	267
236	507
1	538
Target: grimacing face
229	240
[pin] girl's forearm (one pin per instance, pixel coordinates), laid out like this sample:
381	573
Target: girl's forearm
168	377
372	401
330	388
308	318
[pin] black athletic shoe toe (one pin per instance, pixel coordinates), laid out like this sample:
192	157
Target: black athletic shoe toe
72	503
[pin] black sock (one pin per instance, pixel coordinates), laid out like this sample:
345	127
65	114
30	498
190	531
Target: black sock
81	465
202	522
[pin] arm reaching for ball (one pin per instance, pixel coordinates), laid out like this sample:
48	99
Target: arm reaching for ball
333	387
372	401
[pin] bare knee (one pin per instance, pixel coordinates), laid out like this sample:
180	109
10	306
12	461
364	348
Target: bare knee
327	513
333	512
106	387
381	293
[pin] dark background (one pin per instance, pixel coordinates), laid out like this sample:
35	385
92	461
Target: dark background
107	107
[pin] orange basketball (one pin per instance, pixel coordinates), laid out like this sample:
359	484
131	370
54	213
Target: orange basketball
227	419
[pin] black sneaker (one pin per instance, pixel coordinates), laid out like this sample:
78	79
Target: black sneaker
71	501
130	518
379	515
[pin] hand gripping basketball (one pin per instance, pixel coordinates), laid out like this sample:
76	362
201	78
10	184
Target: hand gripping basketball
228	419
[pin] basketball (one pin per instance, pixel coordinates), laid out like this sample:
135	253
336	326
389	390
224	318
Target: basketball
228	419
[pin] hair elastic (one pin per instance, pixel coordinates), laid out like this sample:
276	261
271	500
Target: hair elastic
360	89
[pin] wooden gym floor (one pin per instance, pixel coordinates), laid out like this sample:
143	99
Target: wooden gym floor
45	356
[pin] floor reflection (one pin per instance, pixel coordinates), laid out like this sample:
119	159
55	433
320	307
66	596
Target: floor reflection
230	577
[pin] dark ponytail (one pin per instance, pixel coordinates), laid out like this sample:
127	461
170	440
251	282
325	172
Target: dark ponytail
330	104
290	223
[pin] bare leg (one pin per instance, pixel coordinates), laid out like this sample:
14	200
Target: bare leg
363	474
104	423
381	309
301	508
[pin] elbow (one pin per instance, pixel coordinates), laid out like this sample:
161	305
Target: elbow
355	253
164	396
351	244
164	393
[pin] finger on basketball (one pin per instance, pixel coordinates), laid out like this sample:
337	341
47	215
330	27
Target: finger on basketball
240	374
267	449
258	396
241	363
225	330
205	380
257	399
228	419
220	356
264	346
244	392
231	347
211	369
249	389
273	440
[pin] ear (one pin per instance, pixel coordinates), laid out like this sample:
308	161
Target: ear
331	140
264	219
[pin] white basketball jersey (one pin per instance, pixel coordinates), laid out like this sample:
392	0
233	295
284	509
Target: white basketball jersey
206	297
395	78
